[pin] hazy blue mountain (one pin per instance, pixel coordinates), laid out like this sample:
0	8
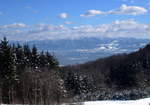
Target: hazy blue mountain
86	49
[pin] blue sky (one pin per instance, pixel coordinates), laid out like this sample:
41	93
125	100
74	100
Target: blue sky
27	15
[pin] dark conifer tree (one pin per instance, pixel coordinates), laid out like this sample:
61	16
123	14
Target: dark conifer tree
51	61
34	58
20	58
27	53
8	72
16	63
42	60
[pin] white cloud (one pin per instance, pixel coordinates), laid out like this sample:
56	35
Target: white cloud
15	25
91	13
120	28
63	15
122	10
128	10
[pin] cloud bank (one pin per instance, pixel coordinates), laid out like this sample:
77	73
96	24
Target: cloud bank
15	25
120	28
122	10
129	10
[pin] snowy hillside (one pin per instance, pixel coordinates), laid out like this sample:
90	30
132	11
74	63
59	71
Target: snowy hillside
145	101
137	102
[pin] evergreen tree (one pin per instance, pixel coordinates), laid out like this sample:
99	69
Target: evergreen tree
7	60
42	60
51	61
27	53
8	72
34	58
20	58
16	63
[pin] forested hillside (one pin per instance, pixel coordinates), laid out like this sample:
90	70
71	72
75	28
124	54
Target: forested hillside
122	76
29	76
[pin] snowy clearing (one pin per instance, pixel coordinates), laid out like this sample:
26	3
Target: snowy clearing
145	101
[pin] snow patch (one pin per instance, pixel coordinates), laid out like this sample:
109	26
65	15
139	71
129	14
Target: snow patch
145	101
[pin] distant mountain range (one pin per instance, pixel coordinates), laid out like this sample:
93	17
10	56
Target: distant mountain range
77	51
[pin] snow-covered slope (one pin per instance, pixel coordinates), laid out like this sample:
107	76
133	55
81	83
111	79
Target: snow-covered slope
145	101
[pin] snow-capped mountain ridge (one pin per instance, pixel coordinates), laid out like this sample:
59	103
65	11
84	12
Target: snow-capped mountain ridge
86	49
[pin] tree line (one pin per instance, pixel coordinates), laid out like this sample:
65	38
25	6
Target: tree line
28	76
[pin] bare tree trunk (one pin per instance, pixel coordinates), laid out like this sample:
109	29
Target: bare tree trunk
12	96
9	93
0	95
23	93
